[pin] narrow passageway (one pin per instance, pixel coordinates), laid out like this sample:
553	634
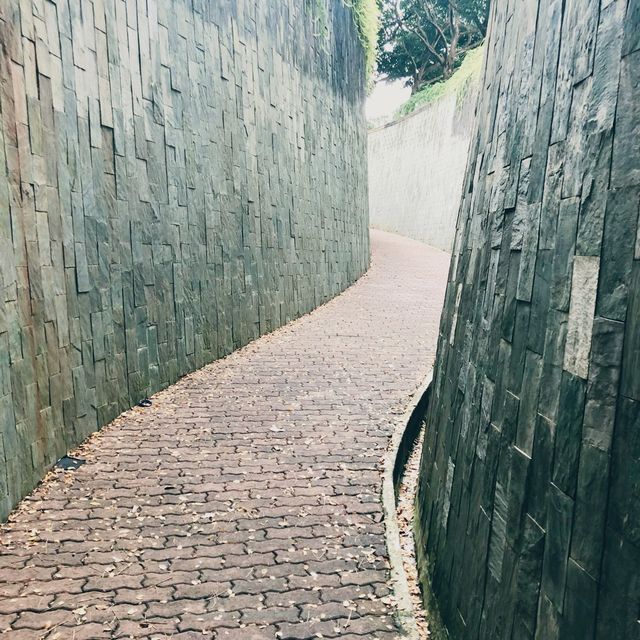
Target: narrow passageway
245	502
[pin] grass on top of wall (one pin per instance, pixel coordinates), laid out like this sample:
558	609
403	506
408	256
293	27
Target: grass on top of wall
365	14
469	69
366	18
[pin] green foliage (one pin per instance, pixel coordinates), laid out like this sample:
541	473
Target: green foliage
457	84
424	41
365	16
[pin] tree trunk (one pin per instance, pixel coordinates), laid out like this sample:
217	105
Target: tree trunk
452	51
418	80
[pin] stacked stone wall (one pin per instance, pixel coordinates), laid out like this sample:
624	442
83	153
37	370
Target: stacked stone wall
529	496
176	179
417	166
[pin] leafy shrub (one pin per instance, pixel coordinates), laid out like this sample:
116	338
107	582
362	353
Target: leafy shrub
457	83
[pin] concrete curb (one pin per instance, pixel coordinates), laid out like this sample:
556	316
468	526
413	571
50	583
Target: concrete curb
404	434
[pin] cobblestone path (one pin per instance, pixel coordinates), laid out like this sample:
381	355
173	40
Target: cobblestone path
245	503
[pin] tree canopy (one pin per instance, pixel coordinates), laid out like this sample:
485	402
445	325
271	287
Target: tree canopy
423	41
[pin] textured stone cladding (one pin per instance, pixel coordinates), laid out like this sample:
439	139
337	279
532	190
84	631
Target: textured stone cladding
177	178
417	167
529	495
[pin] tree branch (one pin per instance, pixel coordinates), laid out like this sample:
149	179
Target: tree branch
417	31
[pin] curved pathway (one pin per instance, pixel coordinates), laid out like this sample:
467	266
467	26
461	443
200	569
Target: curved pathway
245	503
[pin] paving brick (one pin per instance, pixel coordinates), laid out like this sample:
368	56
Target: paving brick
87	631
146	594
199	590
43	619
209	621
149	628
112	583
315	582
259	585
351	593
249	632
271	615
22	634
229	601
329	611
66	585
152	567
363	577
175	608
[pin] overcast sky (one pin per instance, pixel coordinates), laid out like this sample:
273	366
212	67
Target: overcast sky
386	98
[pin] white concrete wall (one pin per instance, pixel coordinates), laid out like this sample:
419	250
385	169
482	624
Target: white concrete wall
416	169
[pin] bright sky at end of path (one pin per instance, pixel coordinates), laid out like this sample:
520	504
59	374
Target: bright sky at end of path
385	98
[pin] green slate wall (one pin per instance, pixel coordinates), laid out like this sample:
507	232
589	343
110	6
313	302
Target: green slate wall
176	178
529	495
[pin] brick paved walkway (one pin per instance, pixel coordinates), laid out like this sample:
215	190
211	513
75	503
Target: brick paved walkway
245	503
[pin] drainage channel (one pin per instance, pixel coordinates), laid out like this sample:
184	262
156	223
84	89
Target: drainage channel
402	469
402	441
405	512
